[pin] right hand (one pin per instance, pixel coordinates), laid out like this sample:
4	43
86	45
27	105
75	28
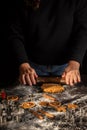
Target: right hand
27	74
71	73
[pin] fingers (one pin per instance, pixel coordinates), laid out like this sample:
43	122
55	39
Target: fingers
22	79
32	78
28	77
72	77
79	78
63	75
71	73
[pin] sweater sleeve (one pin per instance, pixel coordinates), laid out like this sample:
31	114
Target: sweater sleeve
79	32
16	37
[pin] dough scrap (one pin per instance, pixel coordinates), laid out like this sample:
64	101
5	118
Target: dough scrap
72	106
27	105
12	97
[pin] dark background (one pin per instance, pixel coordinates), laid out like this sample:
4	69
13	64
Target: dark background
8	71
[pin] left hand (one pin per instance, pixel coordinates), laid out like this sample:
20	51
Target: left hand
72	73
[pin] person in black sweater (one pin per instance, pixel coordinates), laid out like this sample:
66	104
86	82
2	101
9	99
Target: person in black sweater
49	37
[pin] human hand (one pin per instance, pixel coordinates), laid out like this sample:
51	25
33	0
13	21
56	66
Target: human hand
72	73
27	74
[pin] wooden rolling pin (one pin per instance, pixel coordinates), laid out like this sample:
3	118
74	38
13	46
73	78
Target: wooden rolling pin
50	80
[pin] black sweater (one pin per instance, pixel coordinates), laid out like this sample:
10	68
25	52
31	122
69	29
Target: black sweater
53	34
